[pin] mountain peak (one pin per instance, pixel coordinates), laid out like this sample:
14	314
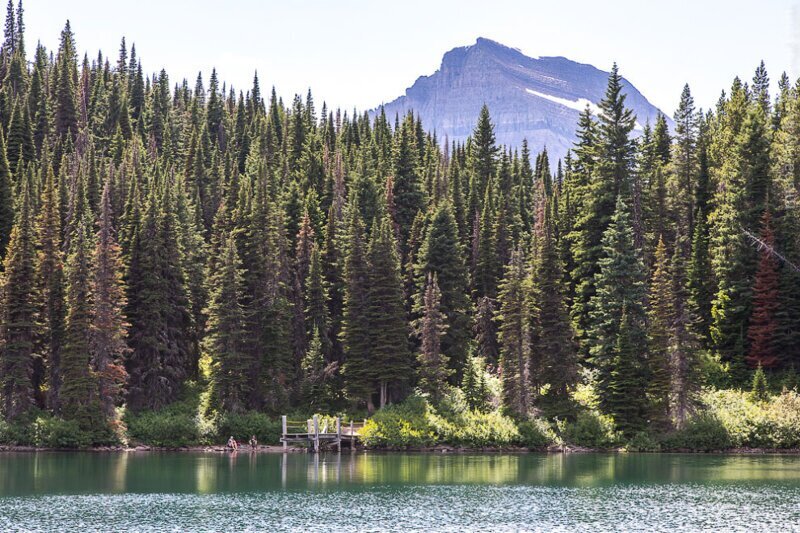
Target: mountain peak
484	42
533	98
482	46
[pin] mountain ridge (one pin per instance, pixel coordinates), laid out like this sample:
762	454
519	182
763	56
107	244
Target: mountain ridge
533	98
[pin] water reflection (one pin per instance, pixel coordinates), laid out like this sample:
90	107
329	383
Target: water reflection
114	473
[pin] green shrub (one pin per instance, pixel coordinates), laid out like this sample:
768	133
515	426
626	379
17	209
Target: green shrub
745	421
591	430
783	415
242	426
402	425
712	371
54	432
17	433
703	432
643	442
536	433
474	428
415	423
47	431
164	428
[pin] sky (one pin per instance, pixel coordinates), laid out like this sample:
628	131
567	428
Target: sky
359	53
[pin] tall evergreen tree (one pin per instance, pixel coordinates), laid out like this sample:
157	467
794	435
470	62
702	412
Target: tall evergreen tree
618	344
515	337
231	364
609	179
661	318
386	314
316	303
66	113
6	199
50	281
554	344
433	369
109	328
408	194
79	395
484	150
763	326
158	309
685	157
441	253
358	371
19	305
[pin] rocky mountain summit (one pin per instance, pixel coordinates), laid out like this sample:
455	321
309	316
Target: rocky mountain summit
537	99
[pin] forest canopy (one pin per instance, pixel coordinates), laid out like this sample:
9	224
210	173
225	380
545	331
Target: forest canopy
155	234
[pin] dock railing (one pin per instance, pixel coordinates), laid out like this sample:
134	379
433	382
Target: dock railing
310	432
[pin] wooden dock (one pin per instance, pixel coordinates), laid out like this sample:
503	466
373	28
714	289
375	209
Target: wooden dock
315	435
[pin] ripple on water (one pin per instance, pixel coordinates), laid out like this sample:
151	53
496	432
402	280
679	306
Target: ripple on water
670	507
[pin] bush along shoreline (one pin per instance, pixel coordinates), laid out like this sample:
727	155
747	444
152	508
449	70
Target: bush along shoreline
725	421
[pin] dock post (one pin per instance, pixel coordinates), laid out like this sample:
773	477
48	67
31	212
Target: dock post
316	433
338	434
283	425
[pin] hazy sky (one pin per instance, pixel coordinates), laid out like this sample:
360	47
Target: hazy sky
361	53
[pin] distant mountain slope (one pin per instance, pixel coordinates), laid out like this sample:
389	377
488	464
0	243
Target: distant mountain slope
538	99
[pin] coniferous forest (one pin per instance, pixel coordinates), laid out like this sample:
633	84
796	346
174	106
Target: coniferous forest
164	240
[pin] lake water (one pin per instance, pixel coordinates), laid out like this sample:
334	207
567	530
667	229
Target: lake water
397	492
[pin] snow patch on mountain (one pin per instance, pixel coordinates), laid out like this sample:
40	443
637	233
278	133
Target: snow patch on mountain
579	105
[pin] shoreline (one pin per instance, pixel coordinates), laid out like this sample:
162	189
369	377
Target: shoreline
441	449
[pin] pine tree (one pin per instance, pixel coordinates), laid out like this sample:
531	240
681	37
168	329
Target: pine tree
739	201
315	374
18	319
79	398
484	151
487	265
158	309
6	200
763	326
109	328
618	343
388	327
66	115
408	195
50	281
608	178
267	299
231	364
660	338
685	157
358	371
553	339
486	329
760	389
316	303
514	337
685	374
628	376
441	253
193	252
474	385
433	369
700	280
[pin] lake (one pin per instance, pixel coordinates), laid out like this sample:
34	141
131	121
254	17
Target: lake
149	491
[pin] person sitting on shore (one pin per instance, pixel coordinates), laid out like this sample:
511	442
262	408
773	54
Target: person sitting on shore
232	444
253	442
